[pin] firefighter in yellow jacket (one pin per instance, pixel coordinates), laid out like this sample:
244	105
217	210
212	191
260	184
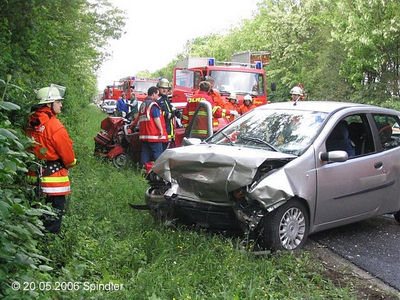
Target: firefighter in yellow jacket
54	147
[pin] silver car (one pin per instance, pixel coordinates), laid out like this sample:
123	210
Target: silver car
283	171
109	106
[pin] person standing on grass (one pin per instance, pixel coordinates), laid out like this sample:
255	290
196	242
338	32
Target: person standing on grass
55	148
152	132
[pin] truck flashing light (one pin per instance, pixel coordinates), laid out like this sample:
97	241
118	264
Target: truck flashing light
133	77
258	65
211	61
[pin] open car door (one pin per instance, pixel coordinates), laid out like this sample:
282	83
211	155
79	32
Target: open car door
200	127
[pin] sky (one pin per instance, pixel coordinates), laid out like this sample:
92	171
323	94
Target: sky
157	30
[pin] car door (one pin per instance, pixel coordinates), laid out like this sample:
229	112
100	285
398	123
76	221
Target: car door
351	190
388	142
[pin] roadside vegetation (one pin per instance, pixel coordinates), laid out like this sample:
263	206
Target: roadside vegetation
339	50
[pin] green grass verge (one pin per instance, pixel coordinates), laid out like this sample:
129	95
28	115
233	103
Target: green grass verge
103	240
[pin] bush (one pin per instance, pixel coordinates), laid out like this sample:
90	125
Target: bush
20	227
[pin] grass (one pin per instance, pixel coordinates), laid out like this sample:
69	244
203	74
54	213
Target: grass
104	240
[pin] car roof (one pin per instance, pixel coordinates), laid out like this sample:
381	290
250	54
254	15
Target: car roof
322	106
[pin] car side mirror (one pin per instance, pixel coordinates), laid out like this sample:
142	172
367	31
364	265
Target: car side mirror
334	156
190	141
273	86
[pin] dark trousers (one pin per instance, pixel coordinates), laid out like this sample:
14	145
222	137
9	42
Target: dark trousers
53	223
150	151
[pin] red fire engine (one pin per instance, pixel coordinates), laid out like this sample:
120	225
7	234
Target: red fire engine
129	85
243	75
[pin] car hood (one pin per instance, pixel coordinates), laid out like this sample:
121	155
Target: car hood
208	172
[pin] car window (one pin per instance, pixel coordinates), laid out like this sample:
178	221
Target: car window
290	132
388	130
353	135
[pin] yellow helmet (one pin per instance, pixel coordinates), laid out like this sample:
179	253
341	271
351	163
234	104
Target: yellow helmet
50	94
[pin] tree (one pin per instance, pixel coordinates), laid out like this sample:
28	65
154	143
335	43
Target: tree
369	31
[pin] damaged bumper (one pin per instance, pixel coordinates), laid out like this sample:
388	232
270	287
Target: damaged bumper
220	189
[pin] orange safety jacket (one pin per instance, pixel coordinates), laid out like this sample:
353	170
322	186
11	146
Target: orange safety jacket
245	108
191	107
230	106
148	130
216	97
53	145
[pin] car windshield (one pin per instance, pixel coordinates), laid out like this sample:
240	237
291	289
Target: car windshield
285	131
110	102
143	86
238	82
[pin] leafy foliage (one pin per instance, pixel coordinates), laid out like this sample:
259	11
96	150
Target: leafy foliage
45	42
20	228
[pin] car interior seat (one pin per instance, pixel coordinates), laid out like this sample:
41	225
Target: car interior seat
358	135
339	139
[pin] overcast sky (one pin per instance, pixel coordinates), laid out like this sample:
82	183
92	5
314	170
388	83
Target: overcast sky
157	30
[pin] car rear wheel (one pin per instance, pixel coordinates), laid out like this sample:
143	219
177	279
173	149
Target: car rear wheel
287	227
397	216
120	160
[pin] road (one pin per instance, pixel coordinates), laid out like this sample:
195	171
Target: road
373	245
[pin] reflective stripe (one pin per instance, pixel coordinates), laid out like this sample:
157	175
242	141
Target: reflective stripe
200	113
151	137
51	190
199	131
55	179
185	117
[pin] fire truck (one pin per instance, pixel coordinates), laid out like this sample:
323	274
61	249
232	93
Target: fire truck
129	85
137	85
244	74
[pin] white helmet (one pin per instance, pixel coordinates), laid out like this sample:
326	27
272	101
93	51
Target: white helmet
232	96
50	94
248	97
296	90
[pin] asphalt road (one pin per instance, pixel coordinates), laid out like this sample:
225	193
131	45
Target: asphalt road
372	245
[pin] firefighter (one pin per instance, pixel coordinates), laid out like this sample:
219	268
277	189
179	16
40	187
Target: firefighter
214	94
54	146
193	102
152	132
297	93
247	104
169	112
232	104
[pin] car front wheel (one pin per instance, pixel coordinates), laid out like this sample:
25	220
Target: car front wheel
287	227
120	160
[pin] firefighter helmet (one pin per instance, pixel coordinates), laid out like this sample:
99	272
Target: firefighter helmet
296	90
50	94
232	96
163	83
248	97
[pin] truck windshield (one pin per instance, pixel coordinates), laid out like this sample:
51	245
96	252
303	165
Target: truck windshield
238	82
143	86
